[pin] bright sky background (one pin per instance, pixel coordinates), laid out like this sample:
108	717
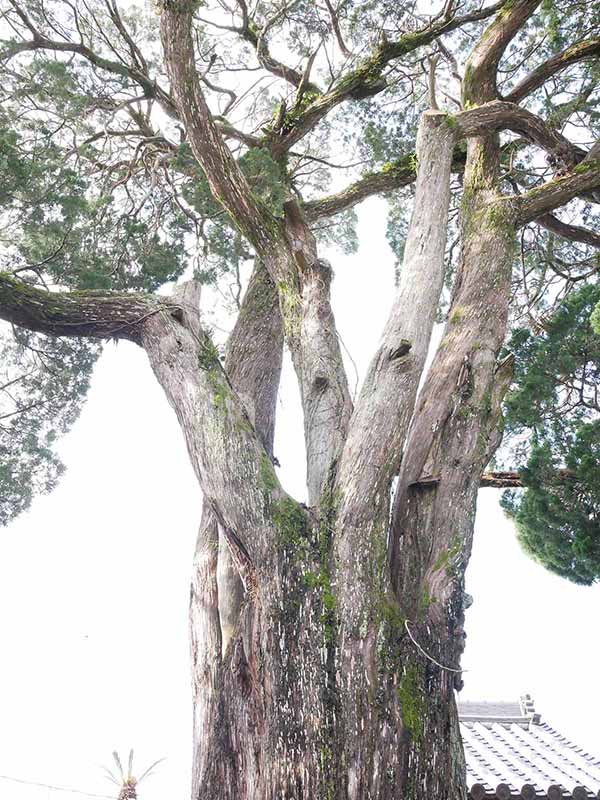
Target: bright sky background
94	583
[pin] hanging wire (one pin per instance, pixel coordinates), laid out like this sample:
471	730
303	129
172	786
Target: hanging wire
431	658
55	788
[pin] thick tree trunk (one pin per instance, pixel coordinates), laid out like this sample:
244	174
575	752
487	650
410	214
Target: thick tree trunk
318	693
382	708
339	680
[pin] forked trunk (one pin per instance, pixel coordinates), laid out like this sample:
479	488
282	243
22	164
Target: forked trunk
337	678
320	689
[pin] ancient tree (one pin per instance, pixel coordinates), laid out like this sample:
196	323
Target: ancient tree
138	144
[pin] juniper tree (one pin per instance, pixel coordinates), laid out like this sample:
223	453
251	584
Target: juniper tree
553	410
326	638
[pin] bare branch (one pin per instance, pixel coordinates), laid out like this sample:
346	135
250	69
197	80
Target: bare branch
221	90
305	82
228	131
574	233
432	65
513	480
257	38
335	24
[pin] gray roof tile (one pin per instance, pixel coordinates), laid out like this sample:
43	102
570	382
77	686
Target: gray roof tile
511	753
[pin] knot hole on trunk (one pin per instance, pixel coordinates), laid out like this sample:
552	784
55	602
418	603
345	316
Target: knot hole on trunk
400	352
320	383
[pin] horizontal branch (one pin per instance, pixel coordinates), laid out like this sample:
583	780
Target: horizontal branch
585	177
392	176
228	131
511	479
537	77
366	80
501	115
574	233
99	315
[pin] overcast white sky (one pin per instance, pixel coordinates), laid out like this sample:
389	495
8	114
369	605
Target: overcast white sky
94	583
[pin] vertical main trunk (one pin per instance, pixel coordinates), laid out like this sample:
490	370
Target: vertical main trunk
381	714
454	434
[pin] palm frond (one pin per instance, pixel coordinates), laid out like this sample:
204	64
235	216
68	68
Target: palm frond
111	776
118	763
130	767
149	770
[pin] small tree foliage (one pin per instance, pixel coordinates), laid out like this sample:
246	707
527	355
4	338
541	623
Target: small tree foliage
43	383
552	418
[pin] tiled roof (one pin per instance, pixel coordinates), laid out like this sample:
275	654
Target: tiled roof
511	753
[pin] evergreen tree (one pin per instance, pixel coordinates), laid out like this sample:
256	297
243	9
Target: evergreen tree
554	408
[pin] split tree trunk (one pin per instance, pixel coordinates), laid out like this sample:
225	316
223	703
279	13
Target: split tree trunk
319	692
338	680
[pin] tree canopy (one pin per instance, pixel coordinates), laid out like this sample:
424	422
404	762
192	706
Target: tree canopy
101	189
